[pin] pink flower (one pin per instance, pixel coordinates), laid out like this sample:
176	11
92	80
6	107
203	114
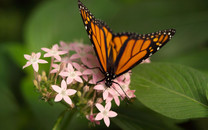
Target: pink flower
130	93
34	60
146	61
105	113
56	68
71	74
83	70
63	92
54	52
64	46
81	52
92	119
106	90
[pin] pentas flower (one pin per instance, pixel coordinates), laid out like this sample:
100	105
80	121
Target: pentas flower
54	52
71	74
81	73
105	113
33	60
63	92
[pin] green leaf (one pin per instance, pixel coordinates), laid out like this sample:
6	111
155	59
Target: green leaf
135	117
173	90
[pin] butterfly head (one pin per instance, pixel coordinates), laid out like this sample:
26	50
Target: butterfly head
109	79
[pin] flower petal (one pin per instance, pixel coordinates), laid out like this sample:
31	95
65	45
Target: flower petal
35	66
70	92
99	107
45	49
112	114
42	61
99	116
78	79
58	98
107	121
27	64
63	85
67	100
99	87
56	88
69	67
69	80
108	106
27	57
38	55
57	57
105	95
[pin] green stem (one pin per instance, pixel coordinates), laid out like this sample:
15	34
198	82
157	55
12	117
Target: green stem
68	120
56	126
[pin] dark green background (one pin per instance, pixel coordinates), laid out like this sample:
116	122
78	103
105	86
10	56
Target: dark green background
28	25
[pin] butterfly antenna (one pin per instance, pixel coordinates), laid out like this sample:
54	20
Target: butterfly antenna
122	90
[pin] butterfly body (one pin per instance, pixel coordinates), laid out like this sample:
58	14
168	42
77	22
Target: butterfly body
118	53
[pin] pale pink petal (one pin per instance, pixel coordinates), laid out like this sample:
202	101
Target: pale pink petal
56	88
74	56
27	57
76	65
35	66
63	85
117	101
107	121
85	77
55	47
87	72
64	74
58	98
69	67
99	116
112	114
53	71
69	80
45	49
99	87
79	79
27	64
47	55
105	95
108	106
58	57
70	92
38	55
42	61
67	100
99	107
78	73
62	52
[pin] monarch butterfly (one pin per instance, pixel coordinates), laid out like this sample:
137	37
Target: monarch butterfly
119	52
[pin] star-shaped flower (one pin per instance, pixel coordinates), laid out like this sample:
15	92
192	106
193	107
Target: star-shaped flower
105	113
54	52
63	92
34	60
71	74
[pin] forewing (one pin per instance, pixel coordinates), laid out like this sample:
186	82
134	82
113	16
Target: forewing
99	34
138	48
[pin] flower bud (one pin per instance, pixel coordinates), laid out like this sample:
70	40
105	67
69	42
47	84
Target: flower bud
99	100
90	103
86	88
35	82
79	94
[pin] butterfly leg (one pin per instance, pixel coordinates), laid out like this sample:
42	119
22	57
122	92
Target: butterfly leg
100	81
93	68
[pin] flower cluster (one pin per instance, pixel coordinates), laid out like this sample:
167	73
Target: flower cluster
72	79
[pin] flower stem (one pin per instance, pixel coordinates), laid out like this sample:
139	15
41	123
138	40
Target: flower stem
68	119
56	126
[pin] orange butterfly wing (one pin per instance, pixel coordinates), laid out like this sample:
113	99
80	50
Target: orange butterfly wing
99	34
138	48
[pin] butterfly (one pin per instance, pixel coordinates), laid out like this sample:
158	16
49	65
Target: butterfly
120	52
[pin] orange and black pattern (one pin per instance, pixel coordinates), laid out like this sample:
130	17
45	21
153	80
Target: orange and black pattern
118	53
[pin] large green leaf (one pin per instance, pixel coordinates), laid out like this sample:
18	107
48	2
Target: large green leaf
135	117
172	90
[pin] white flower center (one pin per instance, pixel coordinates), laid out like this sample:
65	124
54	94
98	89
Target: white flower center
54	52
105	113
63	92
33	60
72	74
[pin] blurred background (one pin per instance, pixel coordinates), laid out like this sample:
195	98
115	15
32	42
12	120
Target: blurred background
28	25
